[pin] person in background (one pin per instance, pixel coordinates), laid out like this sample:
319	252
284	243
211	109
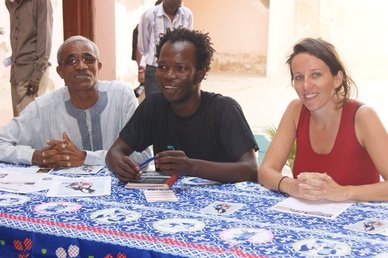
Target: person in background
341	143
73	125
136	56
30	36
154	22
193	132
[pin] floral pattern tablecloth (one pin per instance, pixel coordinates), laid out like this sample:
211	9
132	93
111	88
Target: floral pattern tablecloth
124	224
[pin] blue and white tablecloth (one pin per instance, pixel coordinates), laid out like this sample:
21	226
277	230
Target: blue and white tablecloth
124	224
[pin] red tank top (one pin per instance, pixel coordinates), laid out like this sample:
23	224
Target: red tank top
348	163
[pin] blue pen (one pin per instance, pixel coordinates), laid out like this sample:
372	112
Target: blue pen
145	163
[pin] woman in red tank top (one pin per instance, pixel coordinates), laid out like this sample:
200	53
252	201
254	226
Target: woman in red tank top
341	143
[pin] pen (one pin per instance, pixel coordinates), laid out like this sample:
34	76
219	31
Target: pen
145	163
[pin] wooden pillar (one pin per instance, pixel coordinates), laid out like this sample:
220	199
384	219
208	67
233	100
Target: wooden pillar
79	18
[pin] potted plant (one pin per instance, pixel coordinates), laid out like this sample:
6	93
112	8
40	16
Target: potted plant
271	131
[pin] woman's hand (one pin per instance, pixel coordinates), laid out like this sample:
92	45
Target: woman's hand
320	186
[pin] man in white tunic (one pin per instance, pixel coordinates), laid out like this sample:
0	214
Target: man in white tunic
73	125
154	22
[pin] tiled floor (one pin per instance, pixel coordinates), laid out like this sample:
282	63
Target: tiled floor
263	100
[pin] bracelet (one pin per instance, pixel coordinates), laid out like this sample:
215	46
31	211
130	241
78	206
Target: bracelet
280	181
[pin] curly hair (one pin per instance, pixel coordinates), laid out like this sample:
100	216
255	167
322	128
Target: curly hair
327	53
201	41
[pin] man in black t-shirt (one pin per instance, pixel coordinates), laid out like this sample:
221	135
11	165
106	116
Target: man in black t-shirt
193	132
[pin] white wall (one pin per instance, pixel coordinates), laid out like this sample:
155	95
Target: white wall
357	28
128	13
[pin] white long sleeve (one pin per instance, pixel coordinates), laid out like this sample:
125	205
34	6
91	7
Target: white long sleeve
47	118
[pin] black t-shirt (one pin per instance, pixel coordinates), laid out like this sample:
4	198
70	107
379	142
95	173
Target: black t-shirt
218	131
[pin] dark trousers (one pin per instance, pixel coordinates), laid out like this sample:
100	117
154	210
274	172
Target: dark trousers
151	84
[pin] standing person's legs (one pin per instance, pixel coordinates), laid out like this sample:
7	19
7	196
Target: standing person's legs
151	84
20	99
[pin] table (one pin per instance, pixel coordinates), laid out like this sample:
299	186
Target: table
124	224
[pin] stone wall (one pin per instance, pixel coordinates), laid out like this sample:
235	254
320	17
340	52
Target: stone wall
247	63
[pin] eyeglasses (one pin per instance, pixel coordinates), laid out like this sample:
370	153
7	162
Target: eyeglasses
72	61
